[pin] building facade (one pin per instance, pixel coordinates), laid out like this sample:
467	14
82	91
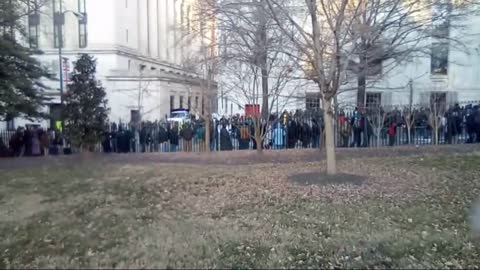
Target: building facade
446	72
140	51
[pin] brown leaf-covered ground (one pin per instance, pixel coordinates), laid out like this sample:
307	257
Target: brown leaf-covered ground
191	211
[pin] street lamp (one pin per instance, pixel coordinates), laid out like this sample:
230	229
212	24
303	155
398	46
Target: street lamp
59	19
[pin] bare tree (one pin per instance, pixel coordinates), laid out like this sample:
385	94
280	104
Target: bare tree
199	35
436	112
391	32
336	37
253	68
376	118
324	45
409	116
243	87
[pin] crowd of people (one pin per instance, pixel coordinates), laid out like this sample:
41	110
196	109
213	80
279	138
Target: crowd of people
226	134
447	125
34	141
300	129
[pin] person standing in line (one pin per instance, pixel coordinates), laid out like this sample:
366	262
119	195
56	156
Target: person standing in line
244	138
187	136
162	138
213	135
315	134
392	130
27	140
278	137
113	132
225	140
143	137
356	123
200	133
44	141
36	150
173	137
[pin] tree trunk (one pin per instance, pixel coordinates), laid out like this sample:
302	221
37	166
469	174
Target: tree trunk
207	135
409	134
329	138
258	135
362	81
263	58
265	108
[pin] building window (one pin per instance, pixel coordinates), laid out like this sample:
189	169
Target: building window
441	11
189	102
203	106
439	59
181	102
82	24
196	102
172	103
82	35
58	22
33	23
374	100
312	101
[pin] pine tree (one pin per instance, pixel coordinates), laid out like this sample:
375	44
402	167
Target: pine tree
86	111
21	75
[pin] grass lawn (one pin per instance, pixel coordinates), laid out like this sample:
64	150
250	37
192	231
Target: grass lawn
410	212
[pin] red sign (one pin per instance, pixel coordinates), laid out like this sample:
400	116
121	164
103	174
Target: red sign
252	110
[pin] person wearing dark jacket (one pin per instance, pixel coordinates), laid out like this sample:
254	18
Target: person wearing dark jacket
114	137
4	151
173	137
162	138
367	131
27	140
315	134
17	144
305	135
471	126
476	122
225	140
187	136
106	142
143	137
291	134
357	125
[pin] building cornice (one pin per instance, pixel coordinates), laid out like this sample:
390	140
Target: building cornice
124	51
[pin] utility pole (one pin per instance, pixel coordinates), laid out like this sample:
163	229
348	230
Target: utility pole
60	60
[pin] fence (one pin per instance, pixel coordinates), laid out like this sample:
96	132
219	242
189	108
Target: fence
379	127
5	136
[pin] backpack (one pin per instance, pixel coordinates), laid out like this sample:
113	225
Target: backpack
244	133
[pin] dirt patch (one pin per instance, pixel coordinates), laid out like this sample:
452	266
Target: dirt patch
21	207
322	179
